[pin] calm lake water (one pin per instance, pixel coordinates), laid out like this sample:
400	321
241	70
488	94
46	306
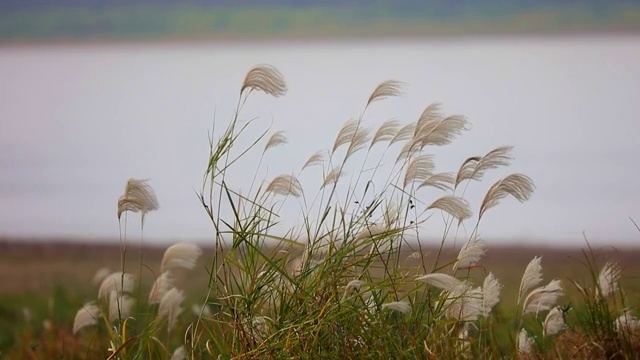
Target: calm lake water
76	121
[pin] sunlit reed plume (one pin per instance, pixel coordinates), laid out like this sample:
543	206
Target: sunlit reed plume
474	167
116	282
171	307
443	181
531	277
265	78
88	315
543	298
179	353
470	253
386	132
464	303
517	185
180	255
525	342
491	289
399	306
346	134
285	185
278	138
553	322
441	281
455	206
332	177
315	159
120	306
627	323
419	169
138	197
608	279
388	88
100	275
161	286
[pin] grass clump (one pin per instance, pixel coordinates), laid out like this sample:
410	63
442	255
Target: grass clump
350	279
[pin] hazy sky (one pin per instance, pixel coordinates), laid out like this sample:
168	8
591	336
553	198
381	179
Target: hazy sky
77	121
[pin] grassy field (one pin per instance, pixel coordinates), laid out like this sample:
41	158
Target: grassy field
347	282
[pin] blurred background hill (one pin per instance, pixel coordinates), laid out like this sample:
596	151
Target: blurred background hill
255	19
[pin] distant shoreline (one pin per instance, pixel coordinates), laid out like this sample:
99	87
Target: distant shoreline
294	39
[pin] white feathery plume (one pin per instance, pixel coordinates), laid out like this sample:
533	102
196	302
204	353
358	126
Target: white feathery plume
464	303
100	275
454	205
440	131
491	289
474	167
371	231
163	283
120	306
180	255
386	89
201	309
332	177
443	181
466	169
554	322
405	133
430	114
265	78
525	342
87	315
171	306
346	134
353	287
531	278
315	159
116	282
138	197
627	323
285	185
608	279
179	353
399	306
441	281
360	139
543	298
419	169
517	185
386	132
278	138
472	251
410	149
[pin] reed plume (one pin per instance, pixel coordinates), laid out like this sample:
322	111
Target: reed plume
346	134
315	159
171	307
441	281
443	181
138	197
455	206
608	279
285	185
474	167
358	142
117	281
399	306
161	286
543	298
419	169
517	185
464	303
180	255
265	78
553	322
388	88
120	306
87	315
491	289
278	138
531	277
470	253
405	133
525	342
386	132
440	132
332	177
